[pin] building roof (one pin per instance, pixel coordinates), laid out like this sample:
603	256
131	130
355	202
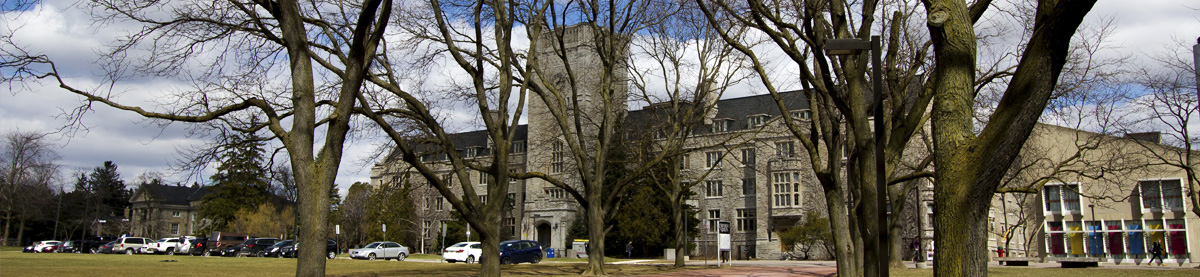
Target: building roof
174	195
735	109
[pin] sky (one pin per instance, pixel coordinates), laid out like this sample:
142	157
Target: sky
66	34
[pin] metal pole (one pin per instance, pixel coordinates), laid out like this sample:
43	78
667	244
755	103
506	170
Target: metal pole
880	182
1096	226
1196	64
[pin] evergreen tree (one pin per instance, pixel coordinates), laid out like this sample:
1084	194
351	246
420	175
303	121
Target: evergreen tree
240	183
109	190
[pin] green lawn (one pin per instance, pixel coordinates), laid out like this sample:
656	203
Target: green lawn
15	263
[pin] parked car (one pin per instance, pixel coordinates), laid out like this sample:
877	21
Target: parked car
252	247
274	250
93	244
70	246
218	241
380	250
198	246
467	252
45	246
184	246
106	248
520	251
162	246
331	250
129	245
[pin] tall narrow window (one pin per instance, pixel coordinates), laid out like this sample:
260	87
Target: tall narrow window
557	156
714	216
713	188
745	220
785	149
713	159
748	157
748	187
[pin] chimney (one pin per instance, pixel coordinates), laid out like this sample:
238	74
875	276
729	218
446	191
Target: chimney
1155	137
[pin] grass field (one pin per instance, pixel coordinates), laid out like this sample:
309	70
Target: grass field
15	263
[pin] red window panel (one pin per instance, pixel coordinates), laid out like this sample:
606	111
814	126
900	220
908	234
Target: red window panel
1056	244
1115	244
1179	244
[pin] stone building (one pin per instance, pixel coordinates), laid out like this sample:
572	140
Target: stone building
165	211
1109	200
748	170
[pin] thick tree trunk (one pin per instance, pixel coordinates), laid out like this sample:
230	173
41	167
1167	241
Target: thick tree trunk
897	246
313	192
677	216
595	219
849	260
962	212
491	246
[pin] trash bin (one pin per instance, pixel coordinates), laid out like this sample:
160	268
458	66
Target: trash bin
549	252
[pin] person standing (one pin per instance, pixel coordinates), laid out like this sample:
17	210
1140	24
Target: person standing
1157	251
629	250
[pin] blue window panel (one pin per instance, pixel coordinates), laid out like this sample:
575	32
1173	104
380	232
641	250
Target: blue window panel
1136	243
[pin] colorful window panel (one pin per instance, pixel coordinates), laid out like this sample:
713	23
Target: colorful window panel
1115	243
1178	243
1136	242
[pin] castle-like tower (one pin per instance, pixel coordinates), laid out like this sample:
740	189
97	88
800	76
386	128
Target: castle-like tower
575	71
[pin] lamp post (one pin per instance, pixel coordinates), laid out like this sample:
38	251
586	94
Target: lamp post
840	47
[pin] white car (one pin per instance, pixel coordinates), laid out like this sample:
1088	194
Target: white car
46	246
163	245
467	252
380	250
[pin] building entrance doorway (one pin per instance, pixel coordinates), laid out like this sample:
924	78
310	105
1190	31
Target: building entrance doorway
543	234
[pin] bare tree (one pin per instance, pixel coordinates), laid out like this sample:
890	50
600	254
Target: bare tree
690	70
27	162
1172	104
836	90
971	164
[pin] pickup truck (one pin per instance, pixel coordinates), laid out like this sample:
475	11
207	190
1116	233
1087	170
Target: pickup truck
165	246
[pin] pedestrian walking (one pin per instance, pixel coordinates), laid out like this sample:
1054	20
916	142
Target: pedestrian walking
916	250
629	250
1157	251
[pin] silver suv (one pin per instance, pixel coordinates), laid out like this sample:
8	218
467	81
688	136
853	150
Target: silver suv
129	245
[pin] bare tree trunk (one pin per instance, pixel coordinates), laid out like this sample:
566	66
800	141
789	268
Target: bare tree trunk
843	241
896	222
596	232
20	231
677	216
7	224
